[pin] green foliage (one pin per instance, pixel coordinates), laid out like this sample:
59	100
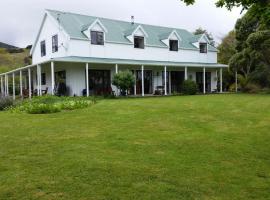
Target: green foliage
251	88
5	102
124	80
227	48
229	4
9	61
52	104
41	108
252	59
189	87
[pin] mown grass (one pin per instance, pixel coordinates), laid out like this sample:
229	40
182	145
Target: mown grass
189	147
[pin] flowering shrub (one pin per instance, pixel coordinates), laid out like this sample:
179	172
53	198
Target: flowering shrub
52	104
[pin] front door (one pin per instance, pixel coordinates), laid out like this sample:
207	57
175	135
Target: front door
99	82
177	79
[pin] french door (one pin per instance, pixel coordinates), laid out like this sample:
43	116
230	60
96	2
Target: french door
177	79
148	82
99	82
199	81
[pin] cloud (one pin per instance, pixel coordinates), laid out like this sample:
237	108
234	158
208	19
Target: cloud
20	20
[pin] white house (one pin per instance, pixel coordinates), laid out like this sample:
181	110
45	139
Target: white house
85	52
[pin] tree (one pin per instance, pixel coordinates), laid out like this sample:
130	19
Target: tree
124	80
253	47
229	4
227	48
209	36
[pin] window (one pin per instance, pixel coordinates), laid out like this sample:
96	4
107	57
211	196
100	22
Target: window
203	47
173	45
43	79
138	42
43	48
97	38
54	43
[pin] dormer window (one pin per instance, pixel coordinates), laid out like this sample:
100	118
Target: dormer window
97	38
173	45
203	47
138	42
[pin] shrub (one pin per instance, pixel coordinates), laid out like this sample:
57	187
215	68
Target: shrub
52	104
189	87
232	87
42	108
72	105
124	80
251	88
5	102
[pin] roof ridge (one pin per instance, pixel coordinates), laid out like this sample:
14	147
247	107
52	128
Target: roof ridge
157	26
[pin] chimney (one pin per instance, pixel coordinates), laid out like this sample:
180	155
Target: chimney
132	20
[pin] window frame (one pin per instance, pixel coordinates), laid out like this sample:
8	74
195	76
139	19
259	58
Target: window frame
97	37
171	46
204	50
55	43
142	42
43	50
43	78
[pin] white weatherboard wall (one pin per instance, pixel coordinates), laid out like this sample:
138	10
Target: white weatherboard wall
49	29
124	51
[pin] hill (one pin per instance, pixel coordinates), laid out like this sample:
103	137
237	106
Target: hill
7	46
9	61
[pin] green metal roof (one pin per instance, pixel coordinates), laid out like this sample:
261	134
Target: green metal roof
136	62
75	24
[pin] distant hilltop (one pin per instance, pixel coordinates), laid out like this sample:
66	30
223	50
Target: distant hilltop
7	46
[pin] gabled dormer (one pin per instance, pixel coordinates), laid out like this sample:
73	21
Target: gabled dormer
137	36
201	43
171	40
96	32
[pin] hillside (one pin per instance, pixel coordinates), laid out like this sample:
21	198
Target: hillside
7	46
9	61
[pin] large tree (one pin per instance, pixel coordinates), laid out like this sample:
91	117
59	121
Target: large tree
253	46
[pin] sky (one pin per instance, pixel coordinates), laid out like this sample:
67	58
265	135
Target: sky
21	19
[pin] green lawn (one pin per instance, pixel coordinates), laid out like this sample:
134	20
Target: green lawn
189	147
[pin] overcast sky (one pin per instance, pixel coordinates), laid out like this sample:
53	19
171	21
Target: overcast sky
20	19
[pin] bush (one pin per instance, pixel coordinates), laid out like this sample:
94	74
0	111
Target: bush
124	80
52	104
251	88
5	102
189	87
42	108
